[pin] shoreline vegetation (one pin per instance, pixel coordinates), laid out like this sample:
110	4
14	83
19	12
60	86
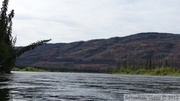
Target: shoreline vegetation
158	71
29	69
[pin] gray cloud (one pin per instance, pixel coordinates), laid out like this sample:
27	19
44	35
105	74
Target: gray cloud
75	20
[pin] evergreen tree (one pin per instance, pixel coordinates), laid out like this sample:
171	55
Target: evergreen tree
8	52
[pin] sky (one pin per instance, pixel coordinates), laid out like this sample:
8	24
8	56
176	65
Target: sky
67	21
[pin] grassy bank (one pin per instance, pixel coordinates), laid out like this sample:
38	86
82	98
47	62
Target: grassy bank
160	71
30	69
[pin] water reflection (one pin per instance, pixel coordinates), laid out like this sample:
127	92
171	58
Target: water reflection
4	92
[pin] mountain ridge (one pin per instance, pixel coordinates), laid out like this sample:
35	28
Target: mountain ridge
105	54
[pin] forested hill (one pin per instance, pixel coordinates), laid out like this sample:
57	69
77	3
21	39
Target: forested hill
105	54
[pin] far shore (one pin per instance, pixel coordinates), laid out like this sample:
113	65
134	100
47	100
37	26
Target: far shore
160	71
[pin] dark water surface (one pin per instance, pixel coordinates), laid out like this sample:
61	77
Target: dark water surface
48	86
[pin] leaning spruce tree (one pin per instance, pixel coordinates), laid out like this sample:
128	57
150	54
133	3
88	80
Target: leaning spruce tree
8	52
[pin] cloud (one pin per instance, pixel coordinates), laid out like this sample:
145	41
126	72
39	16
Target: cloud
75	20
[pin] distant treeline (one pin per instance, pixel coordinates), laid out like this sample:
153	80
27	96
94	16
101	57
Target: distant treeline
75	69
123	65
150	67
162	71
31	69
149	63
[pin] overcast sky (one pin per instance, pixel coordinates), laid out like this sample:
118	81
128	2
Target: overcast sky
76	20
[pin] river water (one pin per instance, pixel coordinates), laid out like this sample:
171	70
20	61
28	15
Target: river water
50	86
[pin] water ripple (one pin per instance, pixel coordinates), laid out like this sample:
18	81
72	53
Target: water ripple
27	86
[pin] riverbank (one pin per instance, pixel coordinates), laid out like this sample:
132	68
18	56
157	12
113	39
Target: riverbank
30	69
158	71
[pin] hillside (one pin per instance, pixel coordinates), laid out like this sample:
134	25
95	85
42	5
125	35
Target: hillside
105	54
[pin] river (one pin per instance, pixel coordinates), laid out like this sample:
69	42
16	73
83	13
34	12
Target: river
54	86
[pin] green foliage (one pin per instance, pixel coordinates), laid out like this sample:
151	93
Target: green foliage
31	69
16	69
141	71
162	71
150	67
8	52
